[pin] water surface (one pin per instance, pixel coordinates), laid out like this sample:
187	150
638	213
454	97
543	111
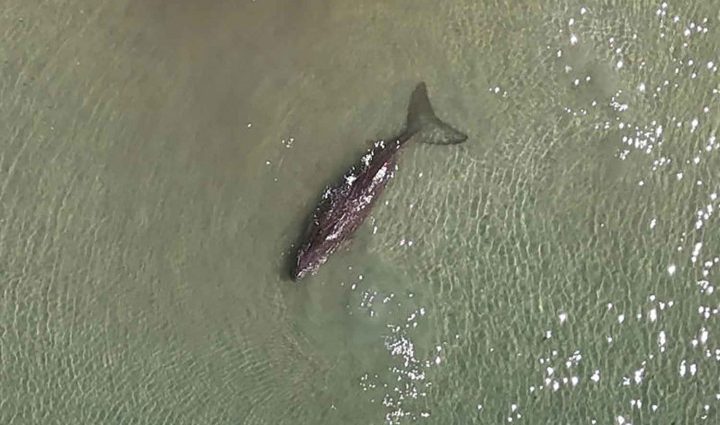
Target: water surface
159	159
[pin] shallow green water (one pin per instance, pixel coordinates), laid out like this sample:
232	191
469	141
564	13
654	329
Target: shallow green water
159	158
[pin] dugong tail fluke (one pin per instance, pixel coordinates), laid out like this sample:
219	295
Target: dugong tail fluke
423	124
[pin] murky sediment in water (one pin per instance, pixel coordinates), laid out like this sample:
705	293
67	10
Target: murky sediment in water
161	157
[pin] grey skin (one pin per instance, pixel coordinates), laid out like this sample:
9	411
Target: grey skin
345	206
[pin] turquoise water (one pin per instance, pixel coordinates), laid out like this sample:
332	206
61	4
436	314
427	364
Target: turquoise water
160	158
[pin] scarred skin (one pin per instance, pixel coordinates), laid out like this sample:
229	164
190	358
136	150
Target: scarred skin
345	206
